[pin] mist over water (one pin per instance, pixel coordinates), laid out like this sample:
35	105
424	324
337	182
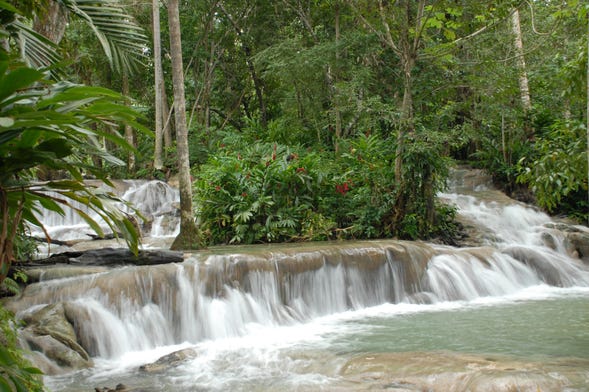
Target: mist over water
318	316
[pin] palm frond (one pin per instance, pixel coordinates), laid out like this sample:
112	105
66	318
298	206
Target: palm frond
38	51
121	38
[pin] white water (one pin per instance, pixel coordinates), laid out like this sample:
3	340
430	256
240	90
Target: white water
155	200
272	331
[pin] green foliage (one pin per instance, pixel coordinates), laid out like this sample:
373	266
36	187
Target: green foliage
557	167
16	374
55	126
253	191
261	192
122	40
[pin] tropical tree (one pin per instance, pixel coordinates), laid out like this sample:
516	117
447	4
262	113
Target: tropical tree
44	124
188	237
53	125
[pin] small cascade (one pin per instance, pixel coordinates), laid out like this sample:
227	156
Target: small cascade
217	296
156	201
221	296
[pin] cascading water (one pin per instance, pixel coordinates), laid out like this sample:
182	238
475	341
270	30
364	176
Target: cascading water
302	316
156	201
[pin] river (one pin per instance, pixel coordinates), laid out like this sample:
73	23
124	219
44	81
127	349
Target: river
510	314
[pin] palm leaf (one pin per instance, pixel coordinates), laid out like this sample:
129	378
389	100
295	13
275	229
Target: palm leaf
38	51
121	39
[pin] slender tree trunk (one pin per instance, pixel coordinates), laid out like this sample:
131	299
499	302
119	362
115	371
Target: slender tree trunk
10	221
524	88
406	125
338	115
188	237
167	116
129	133
158	162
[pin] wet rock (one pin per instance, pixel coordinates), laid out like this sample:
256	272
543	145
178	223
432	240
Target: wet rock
446	371
118	388
113	257
49	332
40	274
576	239
170	360
549	240
580	242
539	262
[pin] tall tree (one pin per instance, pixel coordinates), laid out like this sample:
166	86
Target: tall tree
129	133
160	115
524	89
188	237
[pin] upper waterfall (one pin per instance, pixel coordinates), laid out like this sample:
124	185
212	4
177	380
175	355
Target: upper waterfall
155	200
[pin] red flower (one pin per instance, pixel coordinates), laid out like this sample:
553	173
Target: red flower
244	194
217	188
301	170
342	188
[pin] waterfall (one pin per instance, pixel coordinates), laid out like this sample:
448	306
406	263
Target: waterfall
228	292
156	201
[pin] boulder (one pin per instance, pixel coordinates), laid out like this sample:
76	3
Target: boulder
49	332
580	242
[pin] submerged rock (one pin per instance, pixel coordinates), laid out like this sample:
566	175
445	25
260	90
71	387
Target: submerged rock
447	371
167	361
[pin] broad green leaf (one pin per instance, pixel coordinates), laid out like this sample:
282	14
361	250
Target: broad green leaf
59	147
18	79
91	222
33	370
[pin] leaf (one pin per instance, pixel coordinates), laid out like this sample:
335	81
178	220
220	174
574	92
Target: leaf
91	222
33	370
6	122
59	147
6	136
4	385
8	7
18	79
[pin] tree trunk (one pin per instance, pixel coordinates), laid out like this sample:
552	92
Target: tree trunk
338	115
52	22
406	125
521	63
158	161
188	237
167	115
129	134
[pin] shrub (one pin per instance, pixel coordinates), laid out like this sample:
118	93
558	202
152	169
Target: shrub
262	192
252	191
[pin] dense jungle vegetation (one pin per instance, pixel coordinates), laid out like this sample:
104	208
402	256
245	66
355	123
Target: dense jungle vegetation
292	120
287	120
